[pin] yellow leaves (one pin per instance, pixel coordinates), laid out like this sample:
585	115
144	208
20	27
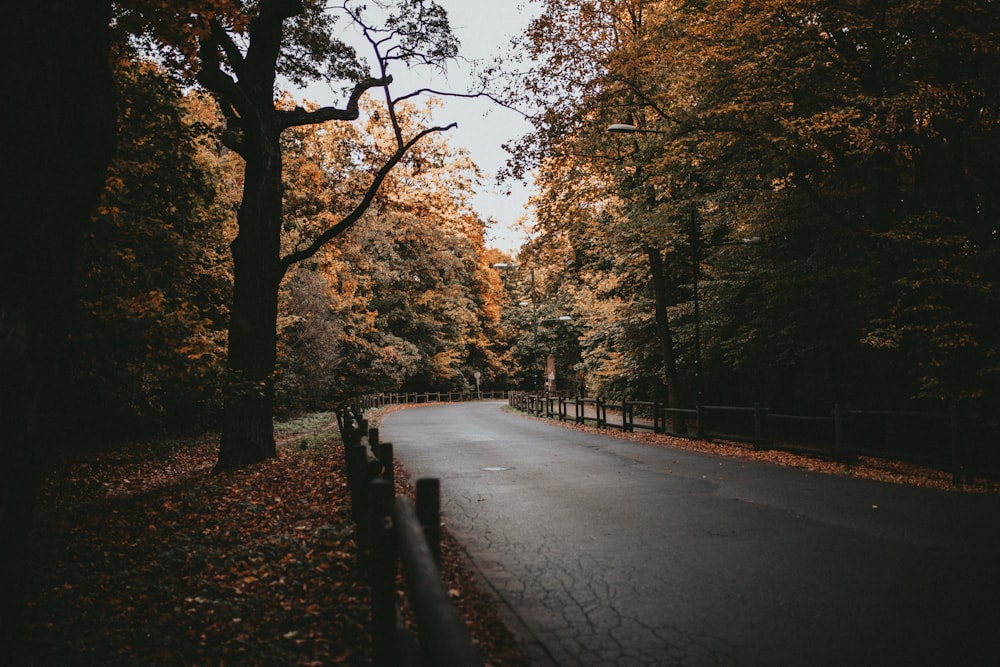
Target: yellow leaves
444	364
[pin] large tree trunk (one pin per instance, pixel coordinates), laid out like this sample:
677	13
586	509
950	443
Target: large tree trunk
248	430
59	130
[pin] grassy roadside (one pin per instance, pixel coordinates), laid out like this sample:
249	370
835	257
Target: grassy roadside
141	555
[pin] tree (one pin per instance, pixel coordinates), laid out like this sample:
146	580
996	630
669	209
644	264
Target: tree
594	64
407	281
150	338
58	80
854	141
239	56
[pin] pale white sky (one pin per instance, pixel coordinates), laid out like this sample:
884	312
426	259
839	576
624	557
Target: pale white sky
484	30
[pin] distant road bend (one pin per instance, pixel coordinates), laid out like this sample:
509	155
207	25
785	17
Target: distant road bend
608	552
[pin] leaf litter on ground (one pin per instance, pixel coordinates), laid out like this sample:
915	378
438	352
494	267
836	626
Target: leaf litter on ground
141	555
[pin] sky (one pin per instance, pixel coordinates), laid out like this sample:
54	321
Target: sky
483	29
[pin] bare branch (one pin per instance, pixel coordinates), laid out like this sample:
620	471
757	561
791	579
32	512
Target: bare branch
469	96
300	116
211	75
366	201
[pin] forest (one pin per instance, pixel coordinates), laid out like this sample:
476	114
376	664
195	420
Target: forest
796	202
802	210
785	202
818	183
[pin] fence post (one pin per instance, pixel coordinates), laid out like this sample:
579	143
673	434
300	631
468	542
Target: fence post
382	574
626	418
385	455
838	433
758	425
700	416
428	494
958	474
356	465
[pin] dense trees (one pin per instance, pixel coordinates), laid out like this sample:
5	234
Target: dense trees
401	301
854	143
408	284
155	276
238	52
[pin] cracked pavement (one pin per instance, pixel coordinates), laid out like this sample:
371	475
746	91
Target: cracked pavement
606	552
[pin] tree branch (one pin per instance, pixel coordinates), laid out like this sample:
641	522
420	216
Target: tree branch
366	201
226	90
443	93
351	111
233	53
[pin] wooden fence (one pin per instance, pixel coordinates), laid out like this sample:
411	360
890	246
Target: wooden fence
949	440
391	531
369	401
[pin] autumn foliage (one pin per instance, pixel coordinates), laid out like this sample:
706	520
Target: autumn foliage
853	146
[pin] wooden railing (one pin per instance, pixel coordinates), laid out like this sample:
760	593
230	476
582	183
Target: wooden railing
369	401
949	440
391	531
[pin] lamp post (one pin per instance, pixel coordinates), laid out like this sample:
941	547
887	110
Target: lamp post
695	241
534	320
550	361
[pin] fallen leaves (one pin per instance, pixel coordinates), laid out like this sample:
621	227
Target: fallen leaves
142	556
864	467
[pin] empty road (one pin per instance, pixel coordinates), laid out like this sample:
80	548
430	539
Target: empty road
607	552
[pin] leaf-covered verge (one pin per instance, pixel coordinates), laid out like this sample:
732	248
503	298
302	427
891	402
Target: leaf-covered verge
140	555
864	467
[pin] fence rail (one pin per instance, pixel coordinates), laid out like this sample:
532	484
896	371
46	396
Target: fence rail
369	401
391	531
949	440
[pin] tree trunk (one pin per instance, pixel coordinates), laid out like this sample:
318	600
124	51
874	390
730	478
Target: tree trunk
663	332
248	429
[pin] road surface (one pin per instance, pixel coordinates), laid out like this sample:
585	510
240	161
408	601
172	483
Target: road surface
607	552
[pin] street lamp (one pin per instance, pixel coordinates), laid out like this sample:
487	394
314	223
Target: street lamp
534	320
627	128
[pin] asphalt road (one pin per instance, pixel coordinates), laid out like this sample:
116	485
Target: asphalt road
607	552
